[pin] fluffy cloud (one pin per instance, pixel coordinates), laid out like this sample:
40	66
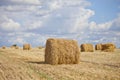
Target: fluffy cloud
110	25
28	2
99	27
81	21
32	25
17	40
18	8
54	15
33	21
116	24
8	24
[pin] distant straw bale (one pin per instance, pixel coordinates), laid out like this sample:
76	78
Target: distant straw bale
26	47
98	47
108	47
61	51
3	47
87	47
16	47
40	47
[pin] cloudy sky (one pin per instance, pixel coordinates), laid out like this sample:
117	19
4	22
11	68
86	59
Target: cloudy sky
33	21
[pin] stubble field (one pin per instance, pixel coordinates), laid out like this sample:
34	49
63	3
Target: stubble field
18	64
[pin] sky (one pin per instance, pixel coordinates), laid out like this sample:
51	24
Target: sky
34	21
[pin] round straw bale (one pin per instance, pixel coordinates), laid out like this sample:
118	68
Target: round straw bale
26	47
87	47
61	51
108	47
3	47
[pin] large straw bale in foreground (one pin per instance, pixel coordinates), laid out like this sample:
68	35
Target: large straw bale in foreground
98	47
108	47
26	47
61	51
87	47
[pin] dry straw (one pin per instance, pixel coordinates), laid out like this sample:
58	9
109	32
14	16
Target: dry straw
87	47
108	47
26	47
98	47
3	47
16	47
61	51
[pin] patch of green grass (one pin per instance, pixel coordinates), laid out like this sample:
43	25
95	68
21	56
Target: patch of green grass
44	75
41	74
1	52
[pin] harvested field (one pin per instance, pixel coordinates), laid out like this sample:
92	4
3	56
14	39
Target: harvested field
19	64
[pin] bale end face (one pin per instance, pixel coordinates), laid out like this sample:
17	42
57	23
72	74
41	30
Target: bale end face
98	47
61	51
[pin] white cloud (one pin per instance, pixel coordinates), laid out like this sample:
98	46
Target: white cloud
32	25
8	24
51	16
117	20
102	26
18	40
26	1
55	5
68	3
18	8
50	11
110	25
81	21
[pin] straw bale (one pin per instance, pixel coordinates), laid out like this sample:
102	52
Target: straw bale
108	47
98	47
3	47
61	51
26	47
87	47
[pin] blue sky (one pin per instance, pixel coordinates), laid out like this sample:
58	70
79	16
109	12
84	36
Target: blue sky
105	10
34	21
